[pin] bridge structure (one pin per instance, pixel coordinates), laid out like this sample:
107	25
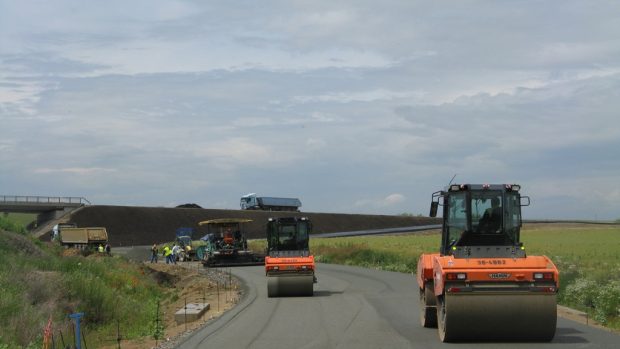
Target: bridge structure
48	208
38	204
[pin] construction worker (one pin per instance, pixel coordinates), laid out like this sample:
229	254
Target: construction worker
100	248
176	249
168	254
154	253
491	220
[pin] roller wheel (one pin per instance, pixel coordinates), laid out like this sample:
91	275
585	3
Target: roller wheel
272	289
443	326
428	311
290	286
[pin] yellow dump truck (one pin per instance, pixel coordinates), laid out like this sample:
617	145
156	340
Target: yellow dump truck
83	237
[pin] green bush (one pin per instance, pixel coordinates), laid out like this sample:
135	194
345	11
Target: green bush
607	302
602	300
581	293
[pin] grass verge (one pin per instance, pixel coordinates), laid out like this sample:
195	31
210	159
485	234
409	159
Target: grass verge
37	283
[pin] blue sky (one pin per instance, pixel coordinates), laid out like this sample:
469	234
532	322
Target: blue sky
352	106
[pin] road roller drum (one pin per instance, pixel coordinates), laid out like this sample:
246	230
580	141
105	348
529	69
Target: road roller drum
290	286
496	316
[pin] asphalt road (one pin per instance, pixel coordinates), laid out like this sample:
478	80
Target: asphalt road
351	308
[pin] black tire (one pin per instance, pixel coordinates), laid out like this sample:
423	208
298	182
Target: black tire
443	327
428	311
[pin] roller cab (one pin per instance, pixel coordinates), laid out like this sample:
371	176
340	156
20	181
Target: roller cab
289	266
482	285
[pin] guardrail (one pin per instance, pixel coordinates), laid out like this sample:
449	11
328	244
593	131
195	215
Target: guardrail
43	200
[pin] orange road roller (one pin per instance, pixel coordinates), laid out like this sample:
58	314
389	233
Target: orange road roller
289	266
482	285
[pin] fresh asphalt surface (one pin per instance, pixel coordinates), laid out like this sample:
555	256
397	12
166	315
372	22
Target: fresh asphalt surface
351	308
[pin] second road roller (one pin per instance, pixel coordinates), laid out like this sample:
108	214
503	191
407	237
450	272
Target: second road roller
289	266
482	285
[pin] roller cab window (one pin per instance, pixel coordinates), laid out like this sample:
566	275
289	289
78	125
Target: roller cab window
456	222
288	237
486	212
481	218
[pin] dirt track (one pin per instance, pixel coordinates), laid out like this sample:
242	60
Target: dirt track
130	226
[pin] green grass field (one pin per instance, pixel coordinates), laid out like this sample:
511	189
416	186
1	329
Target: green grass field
21	219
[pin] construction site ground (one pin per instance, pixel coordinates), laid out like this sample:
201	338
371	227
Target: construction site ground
192	284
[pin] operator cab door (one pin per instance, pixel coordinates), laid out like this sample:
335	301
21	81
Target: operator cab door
455	220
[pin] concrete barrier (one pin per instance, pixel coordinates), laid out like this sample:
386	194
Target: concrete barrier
191	312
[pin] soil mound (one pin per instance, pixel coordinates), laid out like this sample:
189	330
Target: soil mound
133	226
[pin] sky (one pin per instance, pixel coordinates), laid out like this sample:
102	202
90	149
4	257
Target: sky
351	106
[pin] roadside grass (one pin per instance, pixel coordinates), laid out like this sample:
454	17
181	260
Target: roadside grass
588	257
23	219
392	252
37	283
10	222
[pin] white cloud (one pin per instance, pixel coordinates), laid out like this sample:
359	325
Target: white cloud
239	152
80	171
362	96
390	200
393	199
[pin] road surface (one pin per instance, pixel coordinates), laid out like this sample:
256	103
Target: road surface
352	308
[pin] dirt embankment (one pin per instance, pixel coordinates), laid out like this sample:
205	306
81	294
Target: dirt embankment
130	226
192	284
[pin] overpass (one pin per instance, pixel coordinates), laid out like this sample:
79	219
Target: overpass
39	204
48	208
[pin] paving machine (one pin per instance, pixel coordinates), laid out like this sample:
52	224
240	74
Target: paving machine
289	266
482	285
226	244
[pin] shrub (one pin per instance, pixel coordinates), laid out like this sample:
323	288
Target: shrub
607	302
603	300
581	293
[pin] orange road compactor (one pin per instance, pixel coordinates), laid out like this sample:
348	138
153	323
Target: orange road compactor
289	266
482	285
